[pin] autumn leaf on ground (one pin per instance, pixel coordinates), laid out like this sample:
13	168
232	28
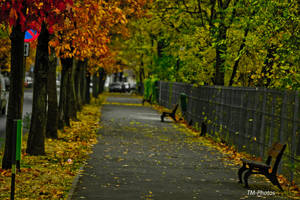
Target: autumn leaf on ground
51	176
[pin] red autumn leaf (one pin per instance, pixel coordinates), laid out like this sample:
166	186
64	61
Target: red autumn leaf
61	6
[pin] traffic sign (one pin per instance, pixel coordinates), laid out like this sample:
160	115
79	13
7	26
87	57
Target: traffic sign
31	35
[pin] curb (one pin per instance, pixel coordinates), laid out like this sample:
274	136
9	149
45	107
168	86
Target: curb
75	181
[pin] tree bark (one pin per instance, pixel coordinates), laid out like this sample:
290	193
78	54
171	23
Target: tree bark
83	81
236	63
16	92
63	117
37	133
95	85
87	88
78	83
268	66
220	34
71	97
102	77
52	113
221	49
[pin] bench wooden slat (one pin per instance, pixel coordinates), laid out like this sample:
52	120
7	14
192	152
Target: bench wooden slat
275	149
256	163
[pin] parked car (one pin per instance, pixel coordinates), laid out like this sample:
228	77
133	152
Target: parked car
3	95
7	82
133	87
57	83
28	82
116	87
127	86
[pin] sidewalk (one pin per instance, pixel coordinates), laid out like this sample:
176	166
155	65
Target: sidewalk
138	157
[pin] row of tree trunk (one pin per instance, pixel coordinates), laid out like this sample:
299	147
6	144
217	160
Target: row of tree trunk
48	115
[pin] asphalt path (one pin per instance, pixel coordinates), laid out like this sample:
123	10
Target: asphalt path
139	157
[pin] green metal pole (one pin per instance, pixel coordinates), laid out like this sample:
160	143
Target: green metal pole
19	143
13	161
16	154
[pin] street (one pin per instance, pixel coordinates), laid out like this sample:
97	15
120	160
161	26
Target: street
27	108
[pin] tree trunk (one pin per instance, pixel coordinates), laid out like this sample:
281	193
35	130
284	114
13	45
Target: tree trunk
78	83
87	88
221	49
95	85
219	32
268	66
16	92
63	117
83	81
52	122
298	148
102	77
71	100
236	63
37	133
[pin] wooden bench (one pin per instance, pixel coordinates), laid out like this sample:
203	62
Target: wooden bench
170	114
147	100
255	167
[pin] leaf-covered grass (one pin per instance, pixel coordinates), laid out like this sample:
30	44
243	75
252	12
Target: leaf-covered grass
50	176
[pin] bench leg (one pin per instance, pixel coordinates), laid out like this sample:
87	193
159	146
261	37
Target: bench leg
241	171
162	117
173	117
246	176
274	180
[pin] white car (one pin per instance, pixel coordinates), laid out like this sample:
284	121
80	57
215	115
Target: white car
127	86
28	82
3	95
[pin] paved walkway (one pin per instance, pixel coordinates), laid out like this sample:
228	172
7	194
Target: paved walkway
138	157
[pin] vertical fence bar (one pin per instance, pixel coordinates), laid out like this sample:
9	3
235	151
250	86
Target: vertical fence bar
262	126
294	139
159	98
170	94
245	120
282	117
233	120
282	124
215	110
253	121
228	116
272	120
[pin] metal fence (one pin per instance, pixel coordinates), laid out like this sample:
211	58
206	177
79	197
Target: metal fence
251	119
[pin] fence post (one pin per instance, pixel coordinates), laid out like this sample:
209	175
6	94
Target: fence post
294	139
282	116
254	120
170	92
262	127
282	123
244	118
272	120
159	101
